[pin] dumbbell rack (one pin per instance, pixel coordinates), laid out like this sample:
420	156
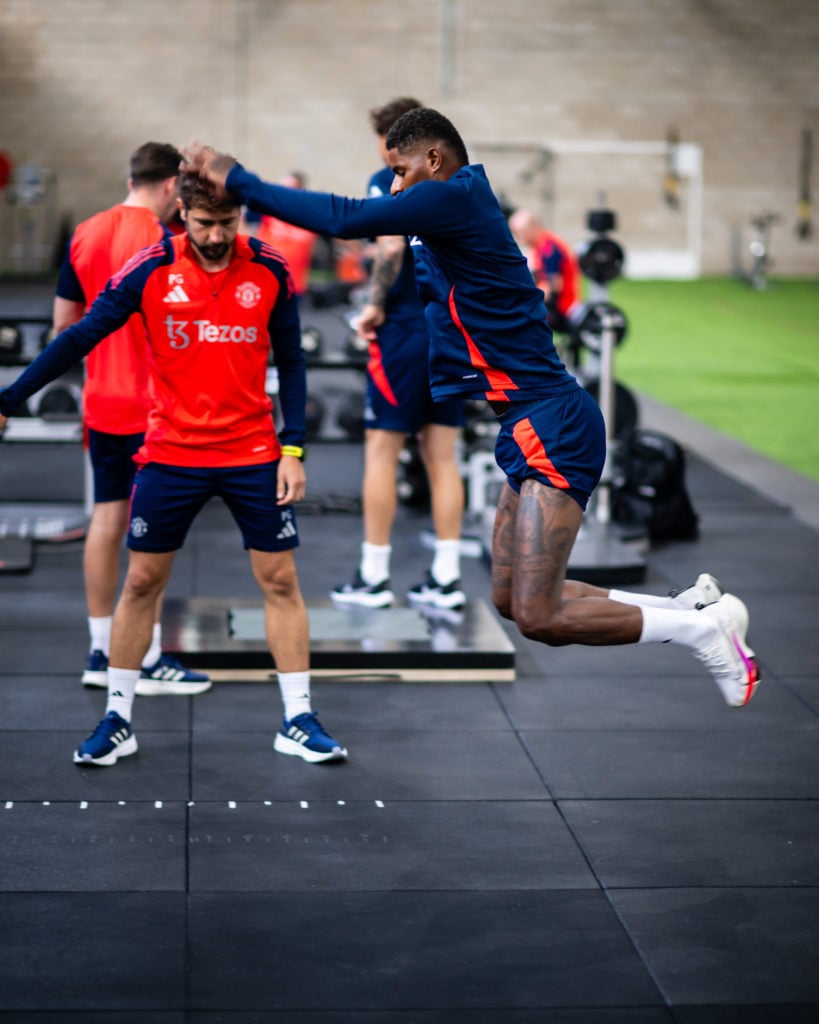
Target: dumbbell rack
602	553
23	522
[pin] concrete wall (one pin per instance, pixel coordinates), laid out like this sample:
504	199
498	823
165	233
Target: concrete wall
288	83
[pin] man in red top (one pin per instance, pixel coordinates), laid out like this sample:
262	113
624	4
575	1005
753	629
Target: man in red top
213	303
294	243
116	402
554	266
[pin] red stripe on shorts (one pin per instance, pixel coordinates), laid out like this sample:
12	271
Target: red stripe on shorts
535	454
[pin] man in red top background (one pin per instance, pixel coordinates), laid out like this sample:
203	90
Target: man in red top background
554	266
116	401
294	243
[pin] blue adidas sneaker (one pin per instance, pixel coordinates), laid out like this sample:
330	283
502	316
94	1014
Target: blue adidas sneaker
111	740
169	676
96	669
304	737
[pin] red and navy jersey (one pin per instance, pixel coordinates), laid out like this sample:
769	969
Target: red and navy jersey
489	336
553	256
208	342
116	395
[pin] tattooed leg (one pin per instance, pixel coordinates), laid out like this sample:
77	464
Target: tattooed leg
543	604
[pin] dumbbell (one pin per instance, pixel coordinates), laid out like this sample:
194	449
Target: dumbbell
312	342
314	411
587	320
350	415
11	344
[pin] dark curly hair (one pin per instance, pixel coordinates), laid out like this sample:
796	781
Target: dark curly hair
425	125
197	193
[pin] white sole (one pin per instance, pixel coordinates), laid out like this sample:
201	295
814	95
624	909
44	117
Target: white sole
156	688
284	745
95	679
447	602
124	749
734	623
382	600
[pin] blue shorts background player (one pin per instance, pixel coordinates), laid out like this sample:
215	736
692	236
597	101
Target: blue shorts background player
490	338
399	404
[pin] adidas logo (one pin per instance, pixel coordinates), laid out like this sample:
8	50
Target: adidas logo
176	294
288	530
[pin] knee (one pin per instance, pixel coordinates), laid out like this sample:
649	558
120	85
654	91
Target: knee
540	624
280	584
142	584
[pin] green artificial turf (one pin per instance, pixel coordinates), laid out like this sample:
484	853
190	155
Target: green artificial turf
741	361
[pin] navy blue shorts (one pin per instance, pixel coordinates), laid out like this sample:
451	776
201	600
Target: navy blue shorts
559	440
398	395
166	499
112	463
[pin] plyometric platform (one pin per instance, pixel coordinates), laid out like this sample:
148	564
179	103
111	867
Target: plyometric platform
226	638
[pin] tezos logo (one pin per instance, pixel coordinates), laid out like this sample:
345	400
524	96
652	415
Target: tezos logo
248	295
138	527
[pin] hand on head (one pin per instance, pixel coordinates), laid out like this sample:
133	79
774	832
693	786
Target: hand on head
206	162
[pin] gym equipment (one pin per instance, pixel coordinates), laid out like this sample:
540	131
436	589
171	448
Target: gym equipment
227	639
759	248
312	342
602	552
314	411
626	413
350	415
586	324
357	349
601	259
11	344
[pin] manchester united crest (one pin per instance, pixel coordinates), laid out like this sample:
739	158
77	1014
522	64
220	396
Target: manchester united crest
248	295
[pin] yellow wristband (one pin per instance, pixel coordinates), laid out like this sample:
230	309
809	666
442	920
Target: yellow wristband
294	450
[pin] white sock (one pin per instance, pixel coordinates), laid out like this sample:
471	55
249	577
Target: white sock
295	691
375	562
644	600
661	625
155	650
446	565
121	689
99	631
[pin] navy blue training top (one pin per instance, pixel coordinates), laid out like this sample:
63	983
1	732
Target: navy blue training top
489	336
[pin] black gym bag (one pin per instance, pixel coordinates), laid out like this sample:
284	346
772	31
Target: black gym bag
648	488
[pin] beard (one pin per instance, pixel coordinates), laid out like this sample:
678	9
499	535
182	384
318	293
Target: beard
212	253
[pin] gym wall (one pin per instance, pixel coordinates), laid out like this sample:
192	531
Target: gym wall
287	84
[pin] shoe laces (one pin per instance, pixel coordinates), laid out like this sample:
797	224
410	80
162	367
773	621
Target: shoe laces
109	724
308	720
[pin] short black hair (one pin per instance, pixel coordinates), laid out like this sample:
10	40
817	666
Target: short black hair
197	193
383	118
154	162
426	125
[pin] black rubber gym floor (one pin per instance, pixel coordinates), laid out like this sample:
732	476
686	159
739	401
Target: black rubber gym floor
601	840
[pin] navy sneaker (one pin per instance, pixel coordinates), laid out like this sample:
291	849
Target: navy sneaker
169	676
440	595
111	740
96	670
375	595
304	737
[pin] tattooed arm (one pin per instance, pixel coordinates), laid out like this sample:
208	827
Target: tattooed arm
386	267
